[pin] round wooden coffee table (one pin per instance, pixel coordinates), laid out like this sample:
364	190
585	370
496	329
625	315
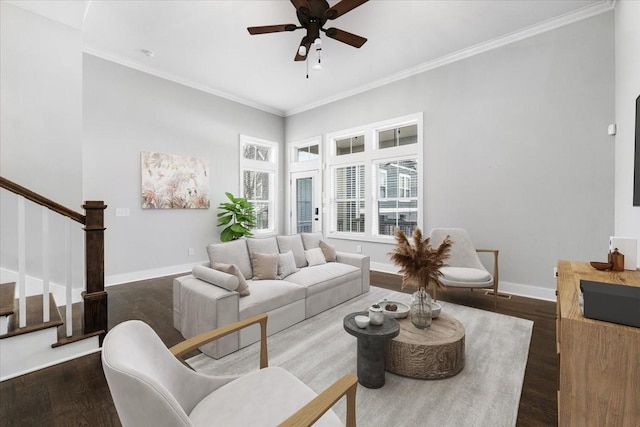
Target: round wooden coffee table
433	353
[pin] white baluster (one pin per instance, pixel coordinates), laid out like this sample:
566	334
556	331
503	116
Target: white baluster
22	257
69	302
45	265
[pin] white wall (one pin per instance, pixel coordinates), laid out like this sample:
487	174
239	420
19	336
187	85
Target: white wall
40	130
627	89
127	111
516	147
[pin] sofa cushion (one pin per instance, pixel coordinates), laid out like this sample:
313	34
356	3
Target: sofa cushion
464	274
268	295
265	397
242	288
311	240
265	266
293	243
328	250
286	265
315	257
322	277
211	275
268	245
234	252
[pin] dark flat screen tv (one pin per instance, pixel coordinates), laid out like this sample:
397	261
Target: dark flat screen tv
636	178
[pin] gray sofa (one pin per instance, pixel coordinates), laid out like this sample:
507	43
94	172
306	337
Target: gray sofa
203	303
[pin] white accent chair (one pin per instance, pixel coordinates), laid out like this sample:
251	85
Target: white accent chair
465	270
152	387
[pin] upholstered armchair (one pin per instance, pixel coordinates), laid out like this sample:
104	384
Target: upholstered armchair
151	386
465	270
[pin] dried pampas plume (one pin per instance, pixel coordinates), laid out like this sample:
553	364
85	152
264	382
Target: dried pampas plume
419	263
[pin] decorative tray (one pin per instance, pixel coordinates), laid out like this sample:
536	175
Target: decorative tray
401	312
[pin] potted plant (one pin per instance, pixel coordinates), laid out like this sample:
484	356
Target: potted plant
239	217
420	265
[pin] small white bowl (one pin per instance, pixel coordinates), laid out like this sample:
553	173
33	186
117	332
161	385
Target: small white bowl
362	321
435	310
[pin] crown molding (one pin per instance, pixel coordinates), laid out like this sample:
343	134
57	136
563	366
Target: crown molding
551	24
176	79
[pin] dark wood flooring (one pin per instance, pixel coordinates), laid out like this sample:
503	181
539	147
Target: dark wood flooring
75	393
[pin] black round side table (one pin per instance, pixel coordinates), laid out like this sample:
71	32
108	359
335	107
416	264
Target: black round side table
371	346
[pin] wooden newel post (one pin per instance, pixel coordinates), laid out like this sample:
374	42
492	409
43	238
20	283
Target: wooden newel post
95	297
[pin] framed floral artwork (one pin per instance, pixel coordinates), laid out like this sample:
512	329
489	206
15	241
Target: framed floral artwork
174	182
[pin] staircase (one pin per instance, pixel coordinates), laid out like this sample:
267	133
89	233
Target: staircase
34	331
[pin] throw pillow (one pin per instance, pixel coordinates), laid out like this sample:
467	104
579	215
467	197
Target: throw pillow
210	275
286	265
265	266
293	243
315	257
328	250
243	287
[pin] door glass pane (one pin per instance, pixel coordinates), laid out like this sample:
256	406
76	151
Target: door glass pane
304	205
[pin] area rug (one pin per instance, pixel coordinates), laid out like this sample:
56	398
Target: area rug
319	351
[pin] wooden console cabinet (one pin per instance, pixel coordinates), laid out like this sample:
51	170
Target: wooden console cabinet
599	362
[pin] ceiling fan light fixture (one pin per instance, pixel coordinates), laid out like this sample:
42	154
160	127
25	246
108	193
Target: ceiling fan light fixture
302	50
317	42
317	66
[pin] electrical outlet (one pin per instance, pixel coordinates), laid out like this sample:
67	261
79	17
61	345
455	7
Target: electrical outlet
359	249
190	251
555	272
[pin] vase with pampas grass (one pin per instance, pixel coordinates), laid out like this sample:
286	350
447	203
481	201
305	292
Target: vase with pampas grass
420	266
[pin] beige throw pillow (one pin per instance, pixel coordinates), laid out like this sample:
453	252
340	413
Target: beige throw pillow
265	266
315	257
328	250
243	287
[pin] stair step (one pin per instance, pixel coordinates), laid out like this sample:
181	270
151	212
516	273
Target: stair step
77	322
34	317
7	298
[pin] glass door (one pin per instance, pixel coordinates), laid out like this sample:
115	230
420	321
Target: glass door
305	202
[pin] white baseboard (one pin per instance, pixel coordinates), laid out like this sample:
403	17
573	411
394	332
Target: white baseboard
134	276
519	289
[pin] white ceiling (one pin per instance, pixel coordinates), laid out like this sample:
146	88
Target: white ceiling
205	44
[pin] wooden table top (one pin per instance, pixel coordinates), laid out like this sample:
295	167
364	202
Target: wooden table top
444	329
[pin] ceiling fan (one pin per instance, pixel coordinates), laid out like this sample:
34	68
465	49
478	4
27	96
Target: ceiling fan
313	15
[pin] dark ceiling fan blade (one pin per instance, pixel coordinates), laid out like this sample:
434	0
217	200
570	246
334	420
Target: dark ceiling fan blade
342	7
307	44
300	3
345	37
265	29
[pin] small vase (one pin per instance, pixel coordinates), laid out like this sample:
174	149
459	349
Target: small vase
376	316
421	309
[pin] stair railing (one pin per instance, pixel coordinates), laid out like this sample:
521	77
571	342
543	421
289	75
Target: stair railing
94	296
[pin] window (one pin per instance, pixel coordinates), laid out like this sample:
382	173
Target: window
382	183
258	171
354	144
398	136
304	154
399	207
349	204
375	179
